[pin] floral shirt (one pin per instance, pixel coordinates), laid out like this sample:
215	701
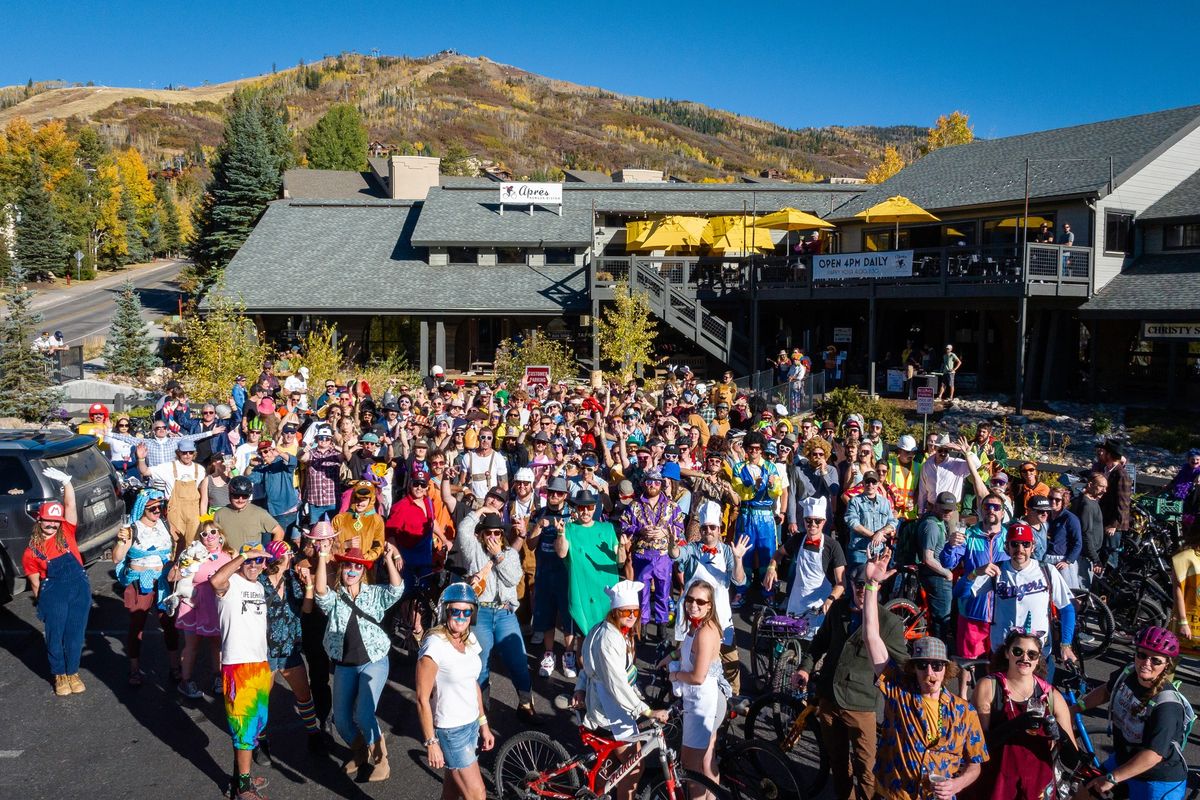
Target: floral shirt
904	757
283	614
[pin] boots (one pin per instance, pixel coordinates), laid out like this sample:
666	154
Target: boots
380	770
76	684
62	686
358	757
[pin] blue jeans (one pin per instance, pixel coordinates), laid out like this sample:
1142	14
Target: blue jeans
356	692
1150	790
288	523
940	594
315	513
498	628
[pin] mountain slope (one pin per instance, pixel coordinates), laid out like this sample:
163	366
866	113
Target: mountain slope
531	124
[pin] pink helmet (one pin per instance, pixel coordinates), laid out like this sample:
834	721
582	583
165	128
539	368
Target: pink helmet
1157	640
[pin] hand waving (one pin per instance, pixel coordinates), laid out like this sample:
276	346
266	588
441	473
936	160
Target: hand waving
57	475
741	547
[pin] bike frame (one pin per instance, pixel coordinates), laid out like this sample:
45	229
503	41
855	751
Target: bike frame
594	762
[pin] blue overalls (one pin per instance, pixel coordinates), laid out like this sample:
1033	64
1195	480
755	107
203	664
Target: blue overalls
64	603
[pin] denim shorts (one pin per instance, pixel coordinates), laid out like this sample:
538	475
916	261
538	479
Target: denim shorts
459	744
290	661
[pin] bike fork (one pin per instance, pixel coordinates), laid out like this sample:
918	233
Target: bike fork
669	771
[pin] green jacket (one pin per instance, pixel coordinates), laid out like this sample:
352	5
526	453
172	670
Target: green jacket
847	675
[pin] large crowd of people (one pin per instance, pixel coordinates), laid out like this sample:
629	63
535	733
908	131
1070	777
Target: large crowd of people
282	529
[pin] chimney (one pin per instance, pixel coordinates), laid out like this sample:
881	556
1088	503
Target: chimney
633	175
411	177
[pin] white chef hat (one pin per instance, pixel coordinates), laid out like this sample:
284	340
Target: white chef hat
625	594
814	507
709	513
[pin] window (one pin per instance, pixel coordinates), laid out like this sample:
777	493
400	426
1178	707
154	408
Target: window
560	255
463	255
13	478
880	240
1118	232
1177	237
510	255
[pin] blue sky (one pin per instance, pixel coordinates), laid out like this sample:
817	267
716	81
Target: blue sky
1014	67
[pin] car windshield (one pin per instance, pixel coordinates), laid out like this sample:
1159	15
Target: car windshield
84	466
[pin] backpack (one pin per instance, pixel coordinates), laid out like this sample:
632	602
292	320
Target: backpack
908	542
1168	694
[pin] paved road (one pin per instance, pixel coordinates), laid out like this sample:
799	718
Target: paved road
86	310
118	742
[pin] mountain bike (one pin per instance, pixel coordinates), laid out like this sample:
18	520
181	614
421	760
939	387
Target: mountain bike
777	641
910	603
787	723
418	605
1074	768
533	765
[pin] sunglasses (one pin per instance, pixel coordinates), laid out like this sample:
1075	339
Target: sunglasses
1028	469
485	438
697	601
1022	545
258	561
1157	661
158	428
121	425
352	569
993	506
626	613
813	521
210	533
1032	655
459	613
931	666
153	509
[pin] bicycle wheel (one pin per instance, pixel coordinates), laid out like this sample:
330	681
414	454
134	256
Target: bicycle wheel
761	647
770	720
1094	625
912	618
688	785
785	666
524	758
754	771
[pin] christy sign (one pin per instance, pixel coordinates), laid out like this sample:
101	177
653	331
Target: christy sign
855	266
1171	330
531	194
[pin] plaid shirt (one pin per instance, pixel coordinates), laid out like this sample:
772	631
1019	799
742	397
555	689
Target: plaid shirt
320	478
160	451
707	413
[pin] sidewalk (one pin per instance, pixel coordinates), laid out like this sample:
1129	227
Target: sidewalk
57	293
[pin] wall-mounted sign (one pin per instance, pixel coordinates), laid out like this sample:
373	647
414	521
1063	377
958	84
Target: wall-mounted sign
843	335
1171	330
523	193
855	266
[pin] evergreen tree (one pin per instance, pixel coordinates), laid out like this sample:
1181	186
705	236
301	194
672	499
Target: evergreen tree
172	232
338	140
41	243
247	174
128	350
5	253
25	388
91	147
135	236
154	235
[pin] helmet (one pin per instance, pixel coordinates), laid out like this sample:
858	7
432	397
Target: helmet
98	408
241	486
459	592
1157	640
255	424
907	443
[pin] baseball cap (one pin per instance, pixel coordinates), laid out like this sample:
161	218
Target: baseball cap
419	477
1039	503
524	475
265	444
588	461
369	438
1020	532
52	511
946	501
241	487
871	476
929	648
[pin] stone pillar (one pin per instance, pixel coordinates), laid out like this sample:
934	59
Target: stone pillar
424	346
439	343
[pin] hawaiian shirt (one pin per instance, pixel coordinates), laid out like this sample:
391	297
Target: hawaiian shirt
283	614
904	757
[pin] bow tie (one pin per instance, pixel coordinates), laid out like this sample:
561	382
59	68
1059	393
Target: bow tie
712	551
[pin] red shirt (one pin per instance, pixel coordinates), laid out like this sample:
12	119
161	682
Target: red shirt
409	523
32	564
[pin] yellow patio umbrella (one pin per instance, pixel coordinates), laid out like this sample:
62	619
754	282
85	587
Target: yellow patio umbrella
635	232
736	233
1015	222
792	219
673	233
896	209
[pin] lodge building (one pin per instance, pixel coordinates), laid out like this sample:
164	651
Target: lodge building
444	268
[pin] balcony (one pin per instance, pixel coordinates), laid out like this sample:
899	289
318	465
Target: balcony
706	276
1049	270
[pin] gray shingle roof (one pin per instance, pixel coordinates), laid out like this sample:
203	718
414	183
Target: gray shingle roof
469	216
330	184
1158	284
586	176
356	257
1182	201
993	171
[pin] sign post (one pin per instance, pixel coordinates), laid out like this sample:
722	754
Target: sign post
925	406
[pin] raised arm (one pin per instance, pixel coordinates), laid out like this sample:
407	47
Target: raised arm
877	573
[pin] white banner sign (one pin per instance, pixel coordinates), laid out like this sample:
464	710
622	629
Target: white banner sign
1171	330
853	266
528	194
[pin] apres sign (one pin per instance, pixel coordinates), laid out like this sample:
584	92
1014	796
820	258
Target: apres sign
527	194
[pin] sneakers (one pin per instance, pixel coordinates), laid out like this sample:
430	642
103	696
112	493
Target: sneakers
62	687
546	667
262	753
218	687
189	690
76	684
568	664
253	790
538	637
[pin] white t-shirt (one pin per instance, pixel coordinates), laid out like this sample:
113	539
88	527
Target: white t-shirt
456	691
242	611
170	472
489	469
1024	594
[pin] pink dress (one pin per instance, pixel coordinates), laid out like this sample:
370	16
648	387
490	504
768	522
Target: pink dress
199	615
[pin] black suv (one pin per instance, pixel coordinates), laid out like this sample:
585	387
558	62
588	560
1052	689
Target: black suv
23	487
